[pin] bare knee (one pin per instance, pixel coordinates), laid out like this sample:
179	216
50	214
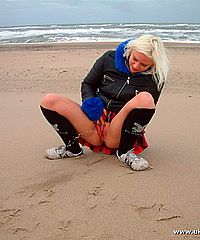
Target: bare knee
50	100
145	100
141	100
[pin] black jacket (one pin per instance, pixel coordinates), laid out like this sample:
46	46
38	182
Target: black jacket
115	88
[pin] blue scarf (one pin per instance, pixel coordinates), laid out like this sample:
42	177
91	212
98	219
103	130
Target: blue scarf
120	60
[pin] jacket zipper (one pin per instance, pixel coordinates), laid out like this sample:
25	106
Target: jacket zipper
121	89
108	104
108	78
126	83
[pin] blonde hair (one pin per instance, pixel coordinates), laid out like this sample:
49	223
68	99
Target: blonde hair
153	48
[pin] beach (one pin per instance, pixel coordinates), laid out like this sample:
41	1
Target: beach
94	197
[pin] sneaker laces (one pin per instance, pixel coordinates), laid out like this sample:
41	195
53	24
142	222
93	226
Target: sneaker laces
131	158
61	150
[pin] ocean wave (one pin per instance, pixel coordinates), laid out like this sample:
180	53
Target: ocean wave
110	32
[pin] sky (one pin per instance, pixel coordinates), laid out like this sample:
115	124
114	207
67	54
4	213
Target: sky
34	12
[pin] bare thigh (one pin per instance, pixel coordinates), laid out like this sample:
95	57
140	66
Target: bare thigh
72	111
113	130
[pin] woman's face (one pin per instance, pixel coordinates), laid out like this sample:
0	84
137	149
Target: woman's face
139	62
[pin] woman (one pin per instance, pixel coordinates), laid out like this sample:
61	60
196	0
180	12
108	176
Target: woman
119	96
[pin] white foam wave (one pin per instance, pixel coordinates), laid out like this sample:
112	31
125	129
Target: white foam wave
97	32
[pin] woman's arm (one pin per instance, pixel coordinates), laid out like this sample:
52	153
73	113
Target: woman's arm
92	80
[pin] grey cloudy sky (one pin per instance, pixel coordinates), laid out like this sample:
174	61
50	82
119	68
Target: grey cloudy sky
22	12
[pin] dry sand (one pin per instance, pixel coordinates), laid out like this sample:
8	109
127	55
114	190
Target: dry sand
93	197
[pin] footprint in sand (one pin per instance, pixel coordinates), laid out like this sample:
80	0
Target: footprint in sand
34	196
7	214
93	198
65	224
156	212
24	204
46	197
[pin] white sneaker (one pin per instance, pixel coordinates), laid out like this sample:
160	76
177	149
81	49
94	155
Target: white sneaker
134	161
60	152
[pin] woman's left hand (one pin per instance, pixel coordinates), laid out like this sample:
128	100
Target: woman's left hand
101	124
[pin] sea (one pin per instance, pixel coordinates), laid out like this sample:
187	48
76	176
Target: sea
101	32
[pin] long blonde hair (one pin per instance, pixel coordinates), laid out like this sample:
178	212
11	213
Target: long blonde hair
153	48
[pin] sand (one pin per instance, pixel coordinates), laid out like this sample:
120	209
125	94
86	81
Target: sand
94	197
